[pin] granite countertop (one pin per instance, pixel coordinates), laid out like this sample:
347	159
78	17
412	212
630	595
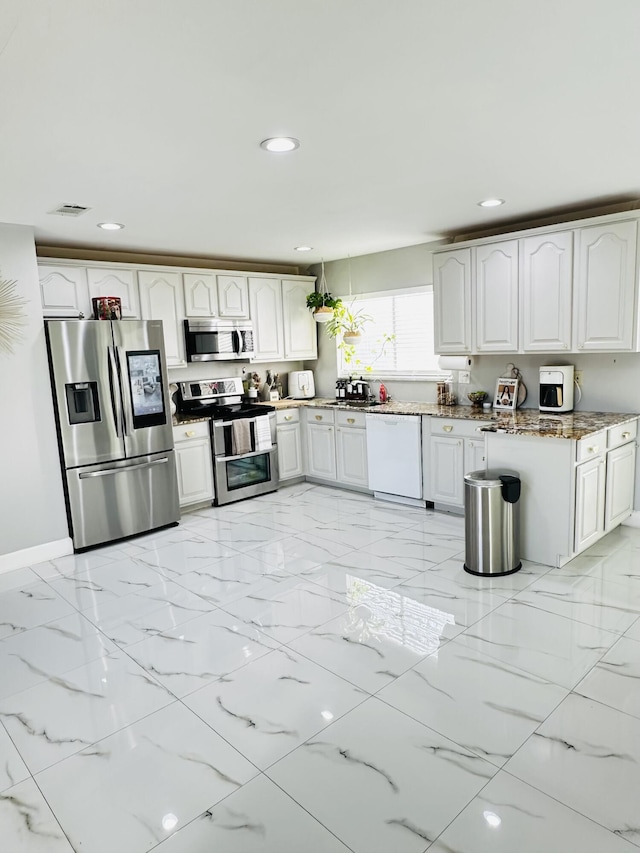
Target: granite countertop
531	422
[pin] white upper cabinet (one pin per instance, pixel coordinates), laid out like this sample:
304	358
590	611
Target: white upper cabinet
233	296
497	297
546	275
64	290
605	286
300	335
162	298
265	302
200	295
452	301
114	282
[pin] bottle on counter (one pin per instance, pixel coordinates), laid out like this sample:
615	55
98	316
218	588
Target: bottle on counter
382	393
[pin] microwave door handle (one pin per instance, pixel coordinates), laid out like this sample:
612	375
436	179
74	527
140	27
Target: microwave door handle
114	390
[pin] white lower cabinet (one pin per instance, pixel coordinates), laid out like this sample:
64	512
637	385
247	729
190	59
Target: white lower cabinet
620	486
447	461
193	463
321	451
290	461
351	449
573	492
455	449
474	455
590	497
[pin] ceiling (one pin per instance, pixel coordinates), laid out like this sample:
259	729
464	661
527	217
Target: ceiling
408	113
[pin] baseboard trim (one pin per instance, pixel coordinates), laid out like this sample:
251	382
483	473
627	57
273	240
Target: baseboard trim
633	520
36	554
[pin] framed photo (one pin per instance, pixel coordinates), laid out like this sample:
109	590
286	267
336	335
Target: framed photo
506	395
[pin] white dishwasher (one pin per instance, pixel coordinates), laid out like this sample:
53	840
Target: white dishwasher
394	455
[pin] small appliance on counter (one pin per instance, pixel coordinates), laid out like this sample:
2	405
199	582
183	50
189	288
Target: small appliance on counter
301	385
556	388
353	391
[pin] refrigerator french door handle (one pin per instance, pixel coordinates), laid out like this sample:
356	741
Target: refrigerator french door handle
114	390
122	376
123	469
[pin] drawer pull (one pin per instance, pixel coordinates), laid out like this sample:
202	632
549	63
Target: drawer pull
593	449
318	417
190	432
351	420
447	428
626	435
288	417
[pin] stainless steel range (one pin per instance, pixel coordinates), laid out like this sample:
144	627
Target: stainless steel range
243	437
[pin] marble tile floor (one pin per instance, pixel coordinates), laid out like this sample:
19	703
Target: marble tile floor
313	670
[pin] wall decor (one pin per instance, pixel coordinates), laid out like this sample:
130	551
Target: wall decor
12	315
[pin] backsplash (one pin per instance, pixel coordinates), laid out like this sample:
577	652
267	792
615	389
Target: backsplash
225	369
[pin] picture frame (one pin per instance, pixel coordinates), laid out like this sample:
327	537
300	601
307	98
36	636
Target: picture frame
506	394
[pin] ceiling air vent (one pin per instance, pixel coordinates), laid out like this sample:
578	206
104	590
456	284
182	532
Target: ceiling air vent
69	210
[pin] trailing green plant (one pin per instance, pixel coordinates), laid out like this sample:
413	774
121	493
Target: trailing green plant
316	300
348	322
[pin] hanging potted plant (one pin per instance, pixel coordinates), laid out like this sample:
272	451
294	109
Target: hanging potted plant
347	324
322	304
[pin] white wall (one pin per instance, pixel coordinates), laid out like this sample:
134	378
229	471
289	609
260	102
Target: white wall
32	511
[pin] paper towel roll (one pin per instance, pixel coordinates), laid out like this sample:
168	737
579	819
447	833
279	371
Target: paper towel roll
455	362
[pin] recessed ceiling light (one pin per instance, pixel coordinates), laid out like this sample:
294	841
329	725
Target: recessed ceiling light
303	249
491	202
110	226
280	144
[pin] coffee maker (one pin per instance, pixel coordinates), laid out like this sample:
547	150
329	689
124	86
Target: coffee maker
556	388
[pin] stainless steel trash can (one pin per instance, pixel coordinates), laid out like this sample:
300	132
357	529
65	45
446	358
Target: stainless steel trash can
492	522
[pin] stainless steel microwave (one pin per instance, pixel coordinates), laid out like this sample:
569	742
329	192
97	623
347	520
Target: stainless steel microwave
218	340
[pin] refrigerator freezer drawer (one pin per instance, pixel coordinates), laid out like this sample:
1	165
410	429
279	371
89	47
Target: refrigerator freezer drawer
108	502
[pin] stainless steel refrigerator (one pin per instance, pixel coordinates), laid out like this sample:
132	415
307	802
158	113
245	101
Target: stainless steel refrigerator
111	396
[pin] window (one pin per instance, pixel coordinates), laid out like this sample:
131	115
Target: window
408	316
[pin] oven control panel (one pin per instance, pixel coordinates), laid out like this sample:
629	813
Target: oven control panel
211	389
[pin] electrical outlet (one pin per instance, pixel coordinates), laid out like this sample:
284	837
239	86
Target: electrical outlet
464	377
577	378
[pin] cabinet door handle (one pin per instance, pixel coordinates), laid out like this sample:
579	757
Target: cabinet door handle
447	428
288	417
318	417
351	420
190	432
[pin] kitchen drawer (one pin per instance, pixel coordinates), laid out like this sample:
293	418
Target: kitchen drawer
457	427
351	419
287	416
319	416
185	432
621	434
591	446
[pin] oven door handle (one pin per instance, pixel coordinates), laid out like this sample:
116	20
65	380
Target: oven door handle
245	455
